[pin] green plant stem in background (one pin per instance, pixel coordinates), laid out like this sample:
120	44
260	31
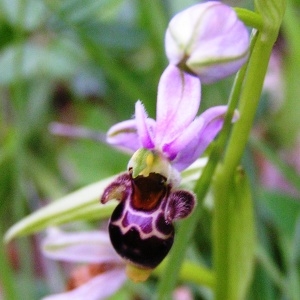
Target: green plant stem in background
289	110
6	274
264	259
156	27
18	98
190	272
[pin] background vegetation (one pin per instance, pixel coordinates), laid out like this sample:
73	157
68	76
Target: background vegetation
85	63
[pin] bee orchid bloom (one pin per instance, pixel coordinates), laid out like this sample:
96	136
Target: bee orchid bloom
141	226
104	272
207	40
177	133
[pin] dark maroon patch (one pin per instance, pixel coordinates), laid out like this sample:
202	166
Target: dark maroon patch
117	213
163	226
144	252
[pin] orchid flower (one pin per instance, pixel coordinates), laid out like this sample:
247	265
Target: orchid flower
207	40
177	133
104	273
141	227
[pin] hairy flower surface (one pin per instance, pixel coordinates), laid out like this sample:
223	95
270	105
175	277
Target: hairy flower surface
141	227
208	40
177	133
104	272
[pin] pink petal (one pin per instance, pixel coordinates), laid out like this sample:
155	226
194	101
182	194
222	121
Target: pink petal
145	132
192	143
209	39
226	41
124	136
178	102
182	150
98	288
88	247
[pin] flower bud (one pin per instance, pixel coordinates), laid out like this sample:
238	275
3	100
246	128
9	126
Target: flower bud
207	40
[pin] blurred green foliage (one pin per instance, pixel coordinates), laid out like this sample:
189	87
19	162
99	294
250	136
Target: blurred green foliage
86	63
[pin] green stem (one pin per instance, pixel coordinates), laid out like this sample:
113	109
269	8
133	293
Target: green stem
248	104
249	100
250	18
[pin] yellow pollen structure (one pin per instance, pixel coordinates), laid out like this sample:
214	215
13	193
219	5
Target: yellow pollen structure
149	163
149	160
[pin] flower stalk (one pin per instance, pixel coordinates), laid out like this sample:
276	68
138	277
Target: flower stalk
249	100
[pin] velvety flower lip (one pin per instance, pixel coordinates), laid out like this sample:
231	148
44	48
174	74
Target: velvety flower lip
86	247
177	133
208	40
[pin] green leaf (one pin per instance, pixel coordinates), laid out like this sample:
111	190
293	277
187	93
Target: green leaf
58	59
241	238
83	204
285	125
234	236
33	12
77	11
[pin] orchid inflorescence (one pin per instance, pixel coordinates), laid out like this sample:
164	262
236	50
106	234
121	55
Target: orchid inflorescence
204	43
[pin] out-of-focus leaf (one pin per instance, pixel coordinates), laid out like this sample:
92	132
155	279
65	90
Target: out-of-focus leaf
31	13
6	34
262	287
112	35
83	204
286	123
287	171
8	141
290	250
92	160
283	209
58	59
38	102
77	11
62	57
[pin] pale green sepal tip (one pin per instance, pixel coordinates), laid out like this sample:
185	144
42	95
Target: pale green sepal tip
138	162
144	162
83	204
